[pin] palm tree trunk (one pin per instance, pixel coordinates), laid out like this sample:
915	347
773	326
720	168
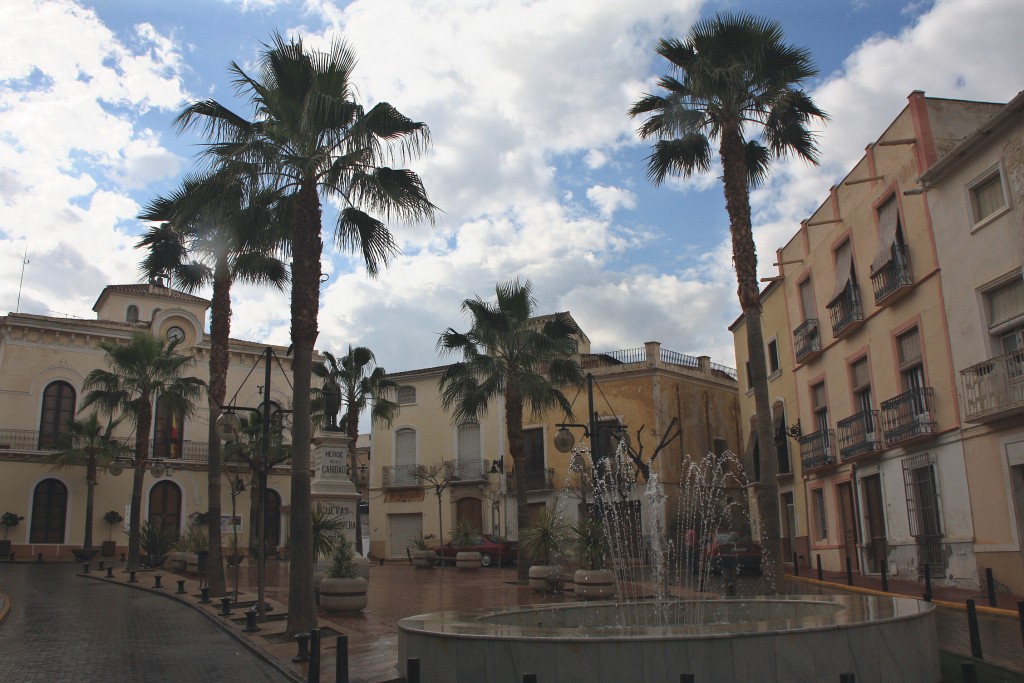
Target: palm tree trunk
306	250
90	497
514	428
352	425
145	421
220	326
737	201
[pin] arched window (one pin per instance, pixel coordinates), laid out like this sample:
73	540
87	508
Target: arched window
471	466
165	505
168	430
132	315
49	512
57	414
405	457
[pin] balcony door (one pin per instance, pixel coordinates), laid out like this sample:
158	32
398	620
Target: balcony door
470	511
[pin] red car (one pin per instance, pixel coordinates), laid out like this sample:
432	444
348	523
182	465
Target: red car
492	549
735	545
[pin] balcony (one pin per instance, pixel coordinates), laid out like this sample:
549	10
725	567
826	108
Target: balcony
401	477
806	340
894	279
994	389
816	449
469	471
536	480
846	312
858	434
909	416
28	441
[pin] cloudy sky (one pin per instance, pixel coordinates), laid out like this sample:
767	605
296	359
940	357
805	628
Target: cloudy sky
535	164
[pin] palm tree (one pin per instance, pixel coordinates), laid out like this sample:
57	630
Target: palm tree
310	136
230	230
88	443
507	354
734	75
141	370
362	383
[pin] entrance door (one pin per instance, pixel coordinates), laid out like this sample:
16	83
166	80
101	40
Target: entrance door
165	505
849	522
875	518
402	529
469	510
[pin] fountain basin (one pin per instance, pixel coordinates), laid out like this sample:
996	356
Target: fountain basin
777	638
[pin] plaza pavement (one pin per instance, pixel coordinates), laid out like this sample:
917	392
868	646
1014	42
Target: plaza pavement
67	626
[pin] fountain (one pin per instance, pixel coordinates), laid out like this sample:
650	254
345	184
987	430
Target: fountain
673	625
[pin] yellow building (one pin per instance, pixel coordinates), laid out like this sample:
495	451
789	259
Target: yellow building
43	364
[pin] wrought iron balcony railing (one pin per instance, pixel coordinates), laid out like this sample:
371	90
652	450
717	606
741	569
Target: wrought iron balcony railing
29	440
401	476
469	470
994	388
909	415
536	480
846	310
806	339
894	276
859	434
816	449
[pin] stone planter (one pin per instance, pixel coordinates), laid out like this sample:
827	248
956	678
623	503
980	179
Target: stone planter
84	554
467	559
109	548
178	560
343	595
594	584
423	559
546	578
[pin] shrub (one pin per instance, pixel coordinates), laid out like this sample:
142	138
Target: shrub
342	566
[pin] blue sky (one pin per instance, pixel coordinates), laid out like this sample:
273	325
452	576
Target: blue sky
535	164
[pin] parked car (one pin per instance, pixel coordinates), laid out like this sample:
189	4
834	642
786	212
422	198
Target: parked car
490	547
735	545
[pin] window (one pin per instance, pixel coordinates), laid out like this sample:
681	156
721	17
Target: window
861	384
1006	316
533	450
720	446
470	460
908	348
987	197
781	442
169	428
405	457
923	509
820	520
807	300
890	237
406	395
773	356
49	512
819	405
844	272
750	377
132	315
57	414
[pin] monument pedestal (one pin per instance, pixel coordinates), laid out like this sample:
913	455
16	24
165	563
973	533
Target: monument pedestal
332	488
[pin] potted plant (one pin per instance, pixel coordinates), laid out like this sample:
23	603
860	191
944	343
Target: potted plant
465	536
112	518
8	521
421	555
326	529
592	552
542	542
157	541
342	588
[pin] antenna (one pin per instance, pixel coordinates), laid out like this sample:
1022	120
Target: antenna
24	262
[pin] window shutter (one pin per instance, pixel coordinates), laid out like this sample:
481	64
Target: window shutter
844	270
888	219
818	396
988	198
1006	305
406	395
860	374
909	349
807	299
469	442
405	447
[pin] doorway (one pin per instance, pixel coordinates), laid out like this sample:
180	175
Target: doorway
470	511
871	487
848	520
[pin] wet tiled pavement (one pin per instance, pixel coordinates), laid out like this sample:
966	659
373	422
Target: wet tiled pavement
39	594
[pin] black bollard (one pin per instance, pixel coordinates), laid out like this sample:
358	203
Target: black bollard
39	557
85	568
101	565
250	620
796	565
124	558
885	579
821	574
990	584
849	571
968	672
341	658
972	628
1020	618
131	577
687	678
303	640
927	584
225	606
314	656
156	581
204	594
412	670
529	678
110	572
847	678
181	587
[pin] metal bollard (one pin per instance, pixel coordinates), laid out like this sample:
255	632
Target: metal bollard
101	565
990	584
412	670
821	575
968	672
849	571
181	587
124	557
972	628
529	678
927	584
250	620
225	606
110	572
204	594
314	656
687	678
847	678
341	659
796	565
156	581
131	577
303	640
885	578
85	568
39	557
1020	618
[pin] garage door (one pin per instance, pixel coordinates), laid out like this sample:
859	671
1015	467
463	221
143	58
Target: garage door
403	528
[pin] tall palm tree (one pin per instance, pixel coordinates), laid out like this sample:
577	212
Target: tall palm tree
506	354
734	80
311	137
214	230
141	370
88	443
362	383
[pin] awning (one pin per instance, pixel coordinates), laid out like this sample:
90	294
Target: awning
888	220
844	272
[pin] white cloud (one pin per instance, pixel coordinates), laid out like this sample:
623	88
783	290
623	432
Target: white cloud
608	199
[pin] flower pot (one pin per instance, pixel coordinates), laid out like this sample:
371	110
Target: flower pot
594	584
84	554
467	559
546	578
423	559
343	595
